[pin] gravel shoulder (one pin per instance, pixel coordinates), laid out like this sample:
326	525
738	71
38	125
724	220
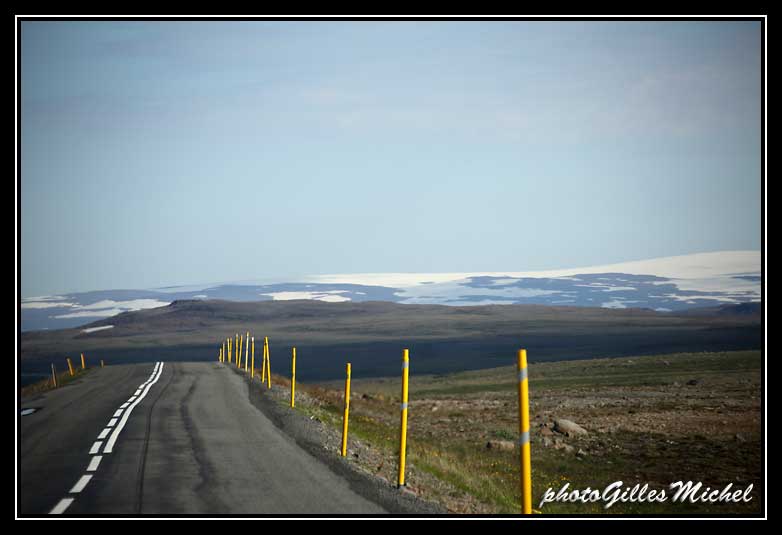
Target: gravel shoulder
321	442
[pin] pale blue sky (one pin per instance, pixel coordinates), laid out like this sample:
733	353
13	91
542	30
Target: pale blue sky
161	153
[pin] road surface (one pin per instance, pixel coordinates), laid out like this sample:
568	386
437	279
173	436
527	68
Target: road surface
170	438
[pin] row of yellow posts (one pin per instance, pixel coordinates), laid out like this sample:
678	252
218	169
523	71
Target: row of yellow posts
525	463
403	411
247	343
71	372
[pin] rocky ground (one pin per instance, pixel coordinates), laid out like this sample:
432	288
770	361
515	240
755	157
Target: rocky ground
641	420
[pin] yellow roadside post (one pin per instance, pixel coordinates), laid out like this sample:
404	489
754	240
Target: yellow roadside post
403	426
236	350
246	351
524	445
346	414
239	353
268	363
263	363
252	366
293	379
70	366
54	376
83	367
230	356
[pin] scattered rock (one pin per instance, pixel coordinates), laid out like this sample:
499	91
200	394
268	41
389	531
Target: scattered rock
502	445
567	447
546	432
740	437
407	491
547	442
569	427
581	453
693	382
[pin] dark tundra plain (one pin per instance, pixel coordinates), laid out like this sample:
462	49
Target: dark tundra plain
679	399
371	335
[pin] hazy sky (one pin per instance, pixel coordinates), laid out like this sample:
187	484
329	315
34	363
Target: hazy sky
184	152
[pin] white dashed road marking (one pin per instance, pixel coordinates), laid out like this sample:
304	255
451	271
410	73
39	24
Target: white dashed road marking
80	484
94	462
61	506
117	430
124	411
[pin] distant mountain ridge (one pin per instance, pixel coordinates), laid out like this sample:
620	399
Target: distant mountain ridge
664	284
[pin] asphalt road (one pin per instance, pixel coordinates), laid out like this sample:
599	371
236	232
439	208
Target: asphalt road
192	443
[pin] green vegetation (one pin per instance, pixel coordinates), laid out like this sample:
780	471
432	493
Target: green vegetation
63	378
656	420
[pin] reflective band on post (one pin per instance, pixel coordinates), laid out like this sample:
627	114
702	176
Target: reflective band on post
522	374
524	438
404	406
405	364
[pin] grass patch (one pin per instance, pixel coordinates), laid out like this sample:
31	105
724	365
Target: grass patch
647	425
45	385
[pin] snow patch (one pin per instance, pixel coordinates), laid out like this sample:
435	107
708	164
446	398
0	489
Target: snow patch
44	298
90	314
698	272
109	307
95	329
330	296
37	305
133	304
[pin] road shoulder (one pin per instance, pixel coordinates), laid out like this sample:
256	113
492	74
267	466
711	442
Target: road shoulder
310	436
